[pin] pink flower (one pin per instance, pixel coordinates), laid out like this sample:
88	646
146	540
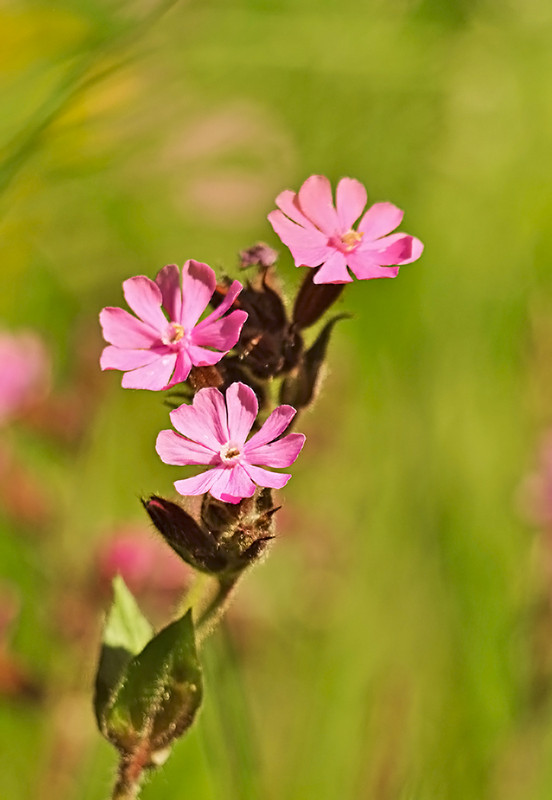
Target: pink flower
319	234
25	373
216	435
156	352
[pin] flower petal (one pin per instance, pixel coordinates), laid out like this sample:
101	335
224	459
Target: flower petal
205	420
416	248
201	357
316	202
198	284
365	267
288	202
232	484
198	484
295	236
222	334
333	270
175	449
243	407
350	201
274	425
144	298
277	454
123	330
398	248
119	358
168	280
196	426
380	219
154	376
263	477
182	367
233	291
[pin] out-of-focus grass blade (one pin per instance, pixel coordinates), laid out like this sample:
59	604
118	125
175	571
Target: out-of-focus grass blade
78	78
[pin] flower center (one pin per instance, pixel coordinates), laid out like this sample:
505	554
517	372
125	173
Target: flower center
351	240
174	334
229	453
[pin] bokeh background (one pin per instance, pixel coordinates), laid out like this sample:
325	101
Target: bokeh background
397	644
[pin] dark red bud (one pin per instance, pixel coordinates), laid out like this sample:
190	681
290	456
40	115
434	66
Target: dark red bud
194	544
313	300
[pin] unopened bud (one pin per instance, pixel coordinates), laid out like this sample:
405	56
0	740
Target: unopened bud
194	544
313	300
260	255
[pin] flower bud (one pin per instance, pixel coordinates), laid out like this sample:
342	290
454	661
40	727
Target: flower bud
259	255
313	300
194	544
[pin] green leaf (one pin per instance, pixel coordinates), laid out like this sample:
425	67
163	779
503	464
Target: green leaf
126	632
160	694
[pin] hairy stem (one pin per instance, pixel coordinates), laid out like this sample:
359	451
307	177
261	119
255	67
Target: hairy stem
214	612
126	788
131	769
193	595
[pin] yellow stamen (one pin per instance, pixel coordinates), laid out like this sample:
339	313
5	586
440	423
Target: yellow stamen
177	332
351	239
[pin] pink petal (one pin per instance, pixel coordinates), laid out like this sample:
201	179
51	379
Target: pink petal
295	236
205	420
365	267
232	484
118	358
395	249
350	201
201	357
233	291
182	367
311	257
144	298
174	449
274	425
196	426
154	376
288	202
263	477
380	219
222	334
198	284
123	330
334	270
243	407
416	250
277	454
316	202
168	280
198	484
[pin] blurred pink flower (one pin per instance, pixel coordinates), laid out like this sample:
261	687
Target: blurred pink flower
144	562
216	435
25	373
155	352
536	490
320	235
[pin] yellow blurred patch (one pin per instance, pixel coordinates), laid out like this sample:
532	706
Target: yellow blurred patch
29	35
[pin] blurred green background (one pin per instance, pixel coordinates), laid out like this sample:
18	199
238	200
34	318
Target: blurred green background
390	647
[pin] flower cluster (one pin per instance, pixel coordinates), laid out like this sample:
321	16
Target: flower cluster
226	358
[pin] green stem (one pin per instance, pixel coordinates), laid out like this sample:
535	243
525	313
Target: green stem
214	612
193	595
